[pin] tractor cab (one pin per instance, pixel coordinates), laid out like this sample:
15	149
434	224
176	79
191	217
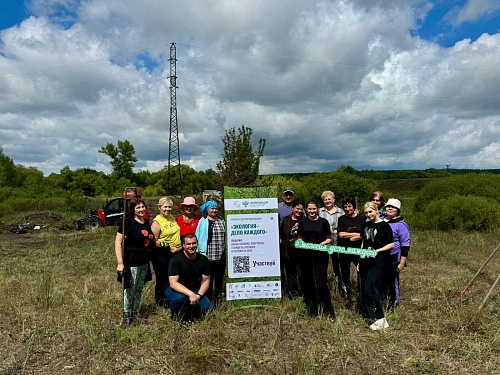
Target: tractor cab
112	211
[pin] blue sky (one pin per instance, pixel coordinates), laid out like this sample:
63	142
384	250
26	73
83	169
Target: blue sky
397	84
12	12
441	26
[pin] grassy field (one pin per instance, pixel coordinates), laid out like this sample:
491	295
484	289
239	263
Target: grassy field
60	312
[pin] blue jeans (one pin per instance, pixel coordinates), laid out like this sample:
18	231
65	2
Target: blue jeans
180	305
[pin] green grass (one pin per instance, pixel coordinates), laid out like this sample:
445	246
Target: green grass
60	312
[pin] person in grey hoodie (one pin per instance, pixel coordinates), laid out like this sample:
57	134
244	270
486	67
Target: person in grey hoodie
396	262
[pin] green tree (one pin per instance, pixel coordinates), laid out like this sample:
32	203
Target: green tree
89	183
342	184
61	179
81	182
31	178
240	164
282	182
208	179
7	170
122	158
346	169
144	178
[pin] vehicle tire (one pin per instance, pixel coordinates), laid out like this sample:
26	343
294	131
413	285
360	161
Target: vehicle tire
93	222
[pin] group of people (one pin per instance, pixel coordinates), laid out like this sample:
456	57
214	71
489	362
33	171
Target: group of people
381	228
189	258
187	254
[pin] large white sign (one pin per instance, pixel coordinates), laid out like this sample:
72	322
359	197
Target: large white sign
250	204
253	245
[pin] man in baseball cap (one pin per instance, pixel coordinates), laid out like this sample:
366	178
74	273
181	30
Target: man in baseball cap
285	207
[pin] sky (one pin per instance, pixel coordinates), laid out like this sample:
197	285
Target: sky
392	84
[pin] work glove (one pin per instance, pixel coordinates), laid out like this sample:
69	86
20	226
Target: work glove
293	234
164	244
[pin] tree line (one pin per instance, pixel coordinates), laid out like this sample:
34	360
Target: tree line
239	167
438	204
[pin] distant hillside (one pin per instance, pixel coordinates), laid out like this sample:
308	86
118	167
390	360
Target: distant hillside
466	171
401	185
394	174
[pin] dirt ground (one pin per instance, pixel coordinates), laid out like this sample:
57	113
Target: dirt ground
33	226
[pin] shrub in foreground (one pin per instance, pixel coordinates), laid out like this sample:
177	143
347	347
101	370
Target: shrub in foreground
468	213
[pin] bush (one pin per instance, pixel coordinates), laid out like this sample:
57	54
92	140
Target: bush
153	191
63	203
78	204
468	213
282	183
479	185
342	184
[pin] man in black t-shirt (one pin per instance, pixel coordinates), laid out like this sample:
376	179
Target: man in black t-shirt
189	278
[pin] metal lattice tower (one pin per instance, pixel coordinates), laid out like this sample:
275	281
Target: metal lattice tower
174	157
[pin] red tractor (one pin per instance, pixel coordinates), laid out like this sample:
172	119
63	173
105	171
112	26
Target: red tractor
111	213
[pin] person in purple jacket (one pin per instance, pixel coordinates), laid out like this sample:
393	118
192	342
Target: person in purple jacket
396	262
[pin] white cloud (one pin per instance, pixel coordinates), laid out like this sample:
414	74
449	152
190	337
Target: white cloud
325	82
473	10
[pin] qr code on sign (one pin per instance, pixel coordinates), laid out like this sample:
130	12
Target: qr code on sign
241	264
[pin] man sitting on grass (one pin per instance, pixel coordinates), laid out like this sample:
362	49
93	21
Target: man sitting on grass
189	278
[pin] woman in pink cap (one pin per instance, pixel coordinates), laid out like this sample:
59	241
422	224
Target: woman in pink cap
188	220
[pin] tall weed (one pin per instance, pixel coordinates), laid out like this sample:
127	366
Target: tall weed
45	289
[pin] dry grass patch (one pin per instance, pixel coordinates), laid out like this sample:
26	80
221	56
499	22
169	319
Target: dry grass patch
60	312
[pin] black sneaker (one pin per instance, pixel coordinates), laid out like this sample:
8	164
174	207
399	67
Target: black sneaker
127	322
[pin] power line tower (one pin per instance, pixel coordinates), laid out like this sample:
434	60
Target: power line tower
174	156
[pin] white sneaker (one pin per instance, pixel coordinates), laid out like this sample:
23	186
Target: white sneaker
379	324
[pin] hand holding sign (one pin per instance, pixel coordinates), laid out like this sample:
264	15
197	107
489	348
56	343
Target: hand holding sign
363	253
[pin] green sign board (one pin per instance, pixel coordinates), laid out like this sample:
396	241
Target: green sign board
330	249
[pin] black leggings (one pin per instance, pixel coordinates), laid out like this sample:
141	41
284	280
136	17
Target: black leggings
371	272
313	276
160	259
345	261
